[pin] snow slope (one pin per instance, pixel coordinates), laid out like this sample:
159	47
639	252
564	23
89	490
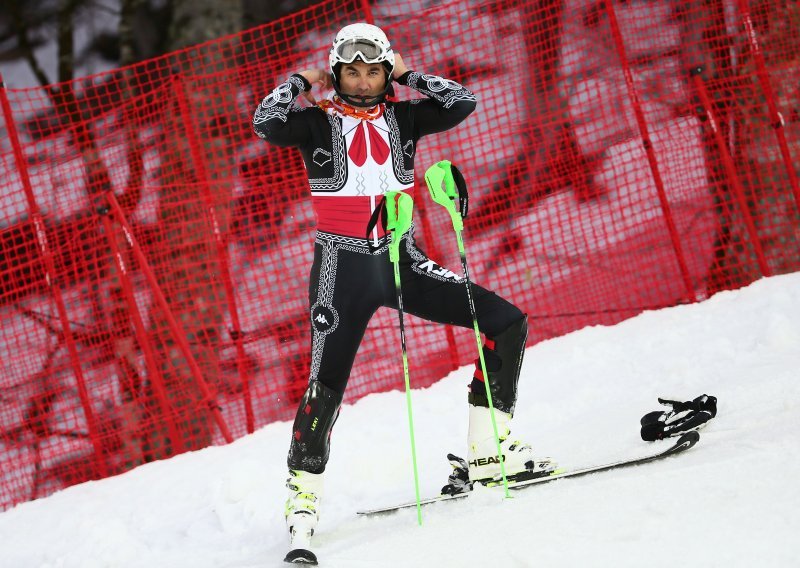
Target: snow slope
730	501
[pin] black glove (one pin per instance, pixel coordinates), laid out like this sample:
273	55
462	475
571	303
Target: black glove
683	417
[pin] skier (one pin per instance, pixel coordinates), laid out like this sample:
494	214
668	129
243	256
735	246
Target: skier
357	145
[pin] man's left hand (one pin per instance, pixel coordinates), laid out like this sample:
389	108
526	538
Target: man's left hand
399	67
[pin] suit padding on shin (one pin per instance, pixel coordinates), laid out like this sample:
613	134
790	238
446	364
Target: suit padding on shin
503	364
311	432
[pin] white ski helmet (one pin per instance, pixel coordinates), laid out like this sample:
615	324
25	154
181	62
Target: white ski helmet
366	43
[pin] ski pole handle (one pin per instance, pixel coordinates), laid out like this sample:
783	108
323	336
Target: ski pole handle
446	184
447	187
399	211
399	208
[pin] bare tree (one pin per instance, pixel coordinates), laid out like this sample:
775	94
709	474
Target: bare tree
23	28
127	31
256	12
188	264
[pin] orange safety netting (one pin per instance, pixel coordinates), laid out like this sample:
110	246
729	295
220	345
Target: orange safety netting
155	252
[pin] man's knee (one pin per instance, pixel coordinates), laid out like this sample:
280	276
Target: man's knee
310	445
502	354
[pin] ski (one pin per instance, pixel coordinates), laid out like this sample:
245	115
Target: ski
683	443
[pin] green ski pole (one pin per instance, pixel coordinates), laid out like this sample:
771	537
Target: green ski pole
399	209
442	186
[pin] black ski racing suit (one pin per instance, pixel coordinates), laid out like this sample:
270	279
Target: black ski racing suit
351	162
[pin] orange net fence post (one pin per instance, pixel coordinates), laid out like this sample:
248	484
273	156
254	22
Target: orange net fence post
777	119
44	247
647	142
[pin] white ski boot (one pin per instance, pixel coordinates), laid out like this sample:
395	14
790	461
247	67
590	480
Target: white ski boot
518	458
302	514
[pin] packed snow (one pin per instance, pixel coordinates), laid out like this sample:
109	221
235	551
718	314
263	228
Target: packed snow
732	500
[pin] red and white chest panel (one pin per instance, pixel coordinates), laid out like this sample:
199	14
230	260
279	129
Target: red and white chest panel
368	152
365	160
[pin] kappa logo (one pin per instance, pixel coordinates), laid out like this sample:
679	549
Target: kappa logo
324	319
431	267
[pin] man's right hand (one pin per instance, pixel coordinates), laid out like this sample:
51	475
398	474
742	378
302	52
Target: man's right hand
316	77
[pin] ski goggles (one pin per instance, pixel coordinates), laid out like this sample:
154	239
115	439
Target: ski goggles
363	49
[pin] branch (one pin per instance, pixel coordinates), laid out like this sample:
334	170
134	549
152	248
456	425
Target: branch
26	46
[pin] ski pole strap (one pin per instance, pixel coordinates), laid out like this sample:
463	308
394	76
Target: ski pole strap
463	196
394	212
446	184
378	215
399	210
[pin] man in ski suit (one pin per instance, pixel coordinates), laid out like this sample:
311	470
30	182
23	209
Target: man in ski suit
356	146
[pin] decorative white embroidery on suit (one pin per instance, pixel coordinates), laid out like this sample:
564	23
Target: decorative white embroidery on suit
321	157
443	90
271	107
403	175
339	162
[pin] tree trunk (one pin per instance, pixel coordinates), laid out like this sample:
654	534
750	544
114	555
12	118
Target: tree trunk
259	12
198	21
767	184
131	411
127	31
187	264
706	50
66	44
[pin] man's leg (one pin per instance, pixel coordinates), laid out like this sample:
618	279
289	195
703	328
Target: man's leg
439	295
341	304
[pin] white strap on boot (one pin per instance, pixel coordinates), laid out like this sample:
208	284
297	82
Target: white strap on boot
305	492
